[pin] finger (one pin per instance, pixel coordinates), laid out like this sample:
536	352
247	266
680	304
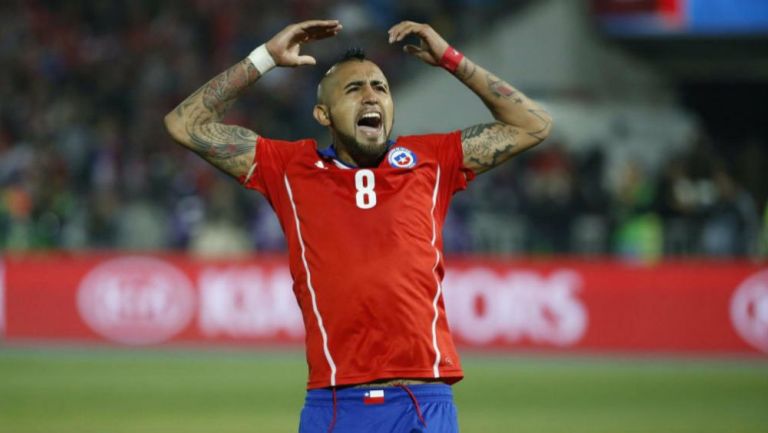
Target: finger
306	60
323	29
399	26
409	29
412	49
400	31
418	53
322	32
313	34
419	30
302	30
395	31
304	25
398	34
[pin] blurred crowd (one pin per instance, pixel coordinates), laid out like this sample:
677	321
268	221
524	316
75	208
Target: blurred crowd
85	162
555	201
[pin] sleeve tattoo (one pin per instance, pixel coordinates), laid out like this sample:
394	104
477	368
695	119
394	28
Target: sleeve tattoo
488	145
500	89
220	144
520	124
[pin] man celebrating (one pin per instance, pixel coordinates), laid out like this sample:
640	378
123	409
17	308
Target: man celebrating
363	220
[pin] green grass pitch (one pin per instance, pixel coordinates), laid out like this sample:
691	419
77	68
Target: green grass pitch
121	391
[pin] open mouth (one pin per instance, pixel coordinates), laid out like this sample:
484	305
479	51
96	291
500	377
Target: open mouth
370	124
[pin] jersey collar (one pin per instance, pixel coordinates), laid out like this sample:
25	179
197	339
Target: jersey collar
330	152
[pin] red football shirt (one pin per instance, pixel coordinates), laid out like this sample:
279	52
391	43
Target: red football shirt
365	250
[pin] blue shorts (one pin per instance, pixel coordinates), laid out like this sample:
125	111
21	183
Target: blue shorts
426	408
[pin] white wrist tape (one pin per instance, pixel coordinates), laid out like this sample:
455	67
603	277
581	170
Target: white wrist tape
261	59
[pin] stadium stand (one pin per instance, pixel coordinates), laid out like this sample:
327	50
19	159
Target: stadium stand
86	164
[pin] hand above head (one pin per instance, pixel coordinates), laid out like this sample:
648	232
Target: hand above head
432	45
284	47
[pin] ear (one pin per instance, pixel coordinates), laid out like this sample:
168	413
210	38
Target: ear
322	115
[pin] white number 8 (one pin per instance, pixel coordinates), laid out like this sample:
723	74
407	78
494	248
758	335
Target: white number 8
365	182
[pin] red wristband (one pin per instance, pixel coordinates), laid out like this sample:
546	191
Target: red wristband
451	59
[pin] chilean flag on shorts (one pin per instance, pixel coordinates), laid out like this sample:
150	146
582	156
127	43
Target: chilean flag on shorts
374	396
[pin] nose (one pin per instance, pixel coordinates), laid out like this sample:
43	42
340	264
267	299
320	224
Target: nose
369	95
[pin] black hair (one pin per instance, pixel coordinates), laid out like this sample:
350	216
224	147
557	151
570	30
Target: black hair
353	53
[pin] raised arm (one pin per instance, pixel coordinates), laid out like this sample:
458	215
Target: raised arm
196	122
520	122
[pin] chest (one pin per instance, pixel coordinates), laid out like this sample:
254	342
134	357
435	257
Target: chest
402	190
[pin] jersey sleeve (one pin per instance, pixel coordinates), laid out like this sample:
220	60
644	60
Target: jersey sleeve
269	164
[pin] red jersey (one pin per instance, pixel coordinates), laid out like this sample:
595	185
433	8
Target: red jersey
365	250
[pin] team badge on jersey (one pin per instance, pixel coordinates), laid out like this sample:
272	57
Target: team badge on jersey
401	157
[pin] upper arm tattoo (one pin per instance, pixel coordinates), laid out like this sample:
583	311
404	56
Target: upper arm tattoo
228	147
487	145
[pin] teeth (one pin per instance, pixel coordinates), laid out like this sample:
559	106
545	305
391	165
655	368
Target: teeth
371	116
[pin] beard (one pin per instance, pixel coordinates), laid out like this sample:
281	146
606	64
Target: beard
367	147
365	152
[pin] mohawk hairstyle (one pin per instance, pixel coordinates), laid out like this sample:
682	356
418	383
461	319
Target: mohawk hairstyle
353	53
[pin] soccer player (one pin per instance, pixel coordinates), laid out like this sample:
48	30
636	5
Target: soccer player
363	220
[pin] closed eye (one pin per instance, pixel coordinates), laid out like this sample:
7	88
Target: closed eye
353	86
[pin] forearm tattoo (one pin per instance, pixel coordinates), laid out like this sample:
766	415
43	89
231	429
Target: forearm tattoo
488	145
503	90
221	91
203	111
520	124
466	70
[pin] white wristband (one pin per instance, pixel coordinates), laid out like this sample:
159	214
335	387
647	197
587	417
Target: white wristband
261	59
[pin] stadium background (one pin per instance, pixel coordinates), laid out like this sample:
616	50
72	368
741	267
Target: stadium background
652	188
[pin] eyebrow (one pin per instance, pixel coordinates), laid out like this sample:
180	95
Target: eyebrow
361	82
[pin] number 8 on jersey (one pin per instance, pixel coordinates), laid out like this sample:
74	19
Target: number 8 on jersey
364	183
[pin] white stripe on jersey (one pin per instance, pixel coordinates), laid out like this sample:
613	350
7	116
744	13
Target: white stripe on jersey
319	318
437	280
250	173
341	164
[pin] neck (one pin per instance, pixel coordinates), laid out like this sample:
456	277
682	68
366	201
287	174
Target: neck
352	155
357	159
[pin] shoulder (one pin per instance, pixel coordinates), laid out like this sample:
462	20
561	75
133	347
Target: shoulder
287	144
439	146
284	150
429	139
